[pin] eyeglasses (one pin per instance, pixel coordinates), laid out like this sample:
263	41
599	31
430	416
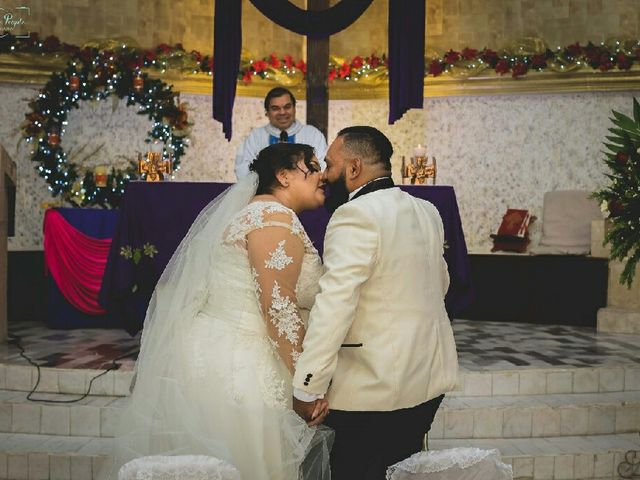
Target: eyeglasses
312	169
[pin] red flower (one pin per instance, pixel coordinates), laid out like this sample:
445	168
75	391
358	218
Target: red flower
490	57
622	158
288	61
469	53
163	48
606	63
86	54
451	56
357	62
575	50
33	38
519	69
246	78
374	61
333	74
615	208
624	62
149	56
502	66
51	44
592	53
436	68
133	63
210	64
196	55
345	70
539	61
273	61
259	66
301	66
178	46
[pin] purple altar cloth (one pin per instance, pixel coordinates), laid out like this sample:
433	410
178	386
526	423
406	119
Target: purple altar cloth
161	214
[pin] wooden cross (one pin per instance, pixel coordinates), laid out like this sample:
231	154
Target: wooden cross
317	76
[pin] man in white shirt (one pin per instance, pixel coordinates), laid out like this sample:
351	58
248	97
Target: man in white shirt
280	109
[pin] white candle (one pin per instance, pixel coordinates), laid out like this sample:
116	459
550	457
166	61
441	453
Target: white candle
420	151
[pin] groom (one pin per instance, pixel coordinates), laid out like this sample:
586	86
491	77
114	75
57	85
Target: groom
379	343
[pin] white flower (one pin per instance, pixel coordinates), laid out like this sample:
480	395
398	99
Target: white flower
604	207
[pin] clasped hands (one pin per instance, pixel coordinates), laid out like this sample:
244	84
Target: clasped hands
314	412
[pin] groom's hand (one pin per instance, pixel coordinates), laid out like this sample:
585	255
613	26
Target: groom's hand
314	412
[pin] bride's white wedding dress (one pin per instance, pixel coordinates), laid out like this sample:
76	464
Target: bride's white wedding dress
213	375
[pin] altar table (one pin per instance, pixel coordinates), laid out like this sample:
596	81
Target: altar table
160	214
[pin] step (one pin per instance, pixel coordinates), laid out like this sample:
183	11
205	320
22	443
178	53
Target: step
94	416
526	416
524	381
566	458
67	381
35	457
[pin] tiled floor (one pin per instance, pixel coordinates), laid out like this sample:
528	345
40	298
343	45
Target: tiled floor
481	346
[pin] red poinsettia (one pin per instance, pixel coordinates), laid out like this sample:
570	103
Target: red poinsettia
490	57
51	44
85	55
274	61
302	66
575	50
615	208
451	56
357	62
197	56
606	63
469	53
288	61
502	66
246	78
210	64
259	66
345	69
163	48
436	67
519	69
374	61
149	56
539	61
333	73
622	158
624	62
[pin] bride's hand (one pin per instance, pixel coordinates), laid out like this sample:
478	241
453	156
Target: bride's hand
320	412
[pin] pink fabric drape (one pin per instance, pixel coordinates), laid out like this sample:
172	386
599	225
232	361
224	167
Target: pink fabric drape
76	262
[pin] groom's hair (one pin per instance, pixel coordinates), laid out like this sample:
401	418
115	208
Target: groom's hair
368	143
276	157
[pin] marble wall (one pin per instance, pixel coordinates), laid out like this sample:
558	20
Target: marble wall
450	23
497	151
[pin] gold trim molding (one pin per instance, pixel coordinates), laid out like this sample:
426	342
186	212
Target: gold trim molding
35	70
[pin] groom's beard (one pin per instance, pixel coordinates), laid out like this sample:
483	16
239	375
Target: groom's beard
337	194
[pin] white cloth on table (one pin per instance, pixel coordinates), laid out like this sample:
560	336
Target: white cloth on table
182	467
259	137
463	463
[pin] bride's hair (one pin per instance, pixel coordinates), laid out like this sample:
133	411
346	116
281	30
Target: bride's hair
276	157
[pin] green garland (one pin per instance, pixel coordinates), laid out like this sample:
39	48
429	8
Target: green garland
621	197
94	75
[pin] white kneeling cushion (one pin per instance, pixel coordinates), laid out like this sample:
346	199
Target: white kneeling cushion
179	467
452	464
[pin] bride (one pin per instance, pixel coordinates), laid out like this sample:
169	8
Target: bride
224	329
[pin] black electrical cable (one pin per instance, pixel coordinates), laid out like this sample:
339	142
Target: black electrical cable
16	340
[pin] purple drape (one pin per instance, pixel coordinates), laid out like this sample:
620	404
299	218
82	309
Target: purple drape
227	43
406	56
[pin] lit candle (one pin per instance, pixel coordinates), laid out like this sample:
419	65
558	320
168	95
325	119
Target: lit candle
74	83
420	151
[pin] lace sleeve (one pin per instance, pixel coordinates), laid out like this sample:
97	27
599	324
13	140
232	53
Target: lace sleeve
275	254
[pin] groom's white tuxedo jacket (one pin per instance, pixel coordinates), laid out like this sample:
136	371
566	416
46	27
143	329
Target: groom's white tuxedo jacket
379	338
